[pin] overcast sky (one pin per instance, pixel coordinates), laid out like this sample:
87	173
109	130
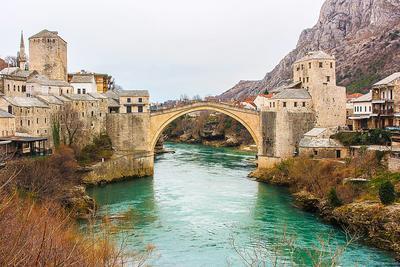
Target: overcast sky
170	47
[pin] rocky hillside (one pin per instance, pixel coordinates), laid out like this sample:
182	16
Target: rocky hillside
364	36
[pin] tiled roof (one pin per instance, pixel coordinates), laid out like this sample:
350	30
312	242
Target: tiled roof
20	101
112	103
5	114
45	34
292	94
97	95
310	142
388	80
15	71
43	80
353	96
133	93
111	94
89	78
79	97
50	99
364	98
316	55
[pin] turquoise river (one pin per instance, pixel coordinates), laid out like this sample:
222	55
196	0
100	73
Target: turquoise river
200	207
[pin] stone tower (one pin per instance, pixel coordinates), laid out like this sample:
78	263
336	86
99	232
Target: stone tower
48	55
317	73
21	55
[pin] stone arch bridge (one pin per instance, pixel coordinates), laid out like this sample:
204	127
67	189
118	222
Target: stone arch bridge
135	135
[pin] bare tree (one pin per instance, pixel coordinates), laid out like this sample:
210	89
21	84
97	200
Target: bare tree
71	124
11	61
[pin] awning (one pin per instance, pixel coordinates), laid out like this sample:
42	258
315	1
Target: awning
362	117
24	139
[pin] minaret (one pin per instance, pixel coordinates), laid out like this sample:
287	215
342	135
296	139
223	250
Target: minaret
21	59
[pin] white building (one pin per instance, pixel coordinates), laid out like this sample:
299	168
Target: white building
84	83
362	111
262	101
40	85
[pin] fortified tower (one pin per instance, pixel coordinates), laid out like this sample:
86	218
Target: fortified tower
317	74
48	55
21	55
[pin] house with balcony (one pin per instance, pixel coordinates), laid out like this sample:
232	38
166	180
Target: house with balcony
361	116
386	102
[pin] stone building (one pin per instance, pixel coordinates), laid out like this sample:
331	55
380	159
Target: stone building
13	81
103	81
32	116
37	84
129	101
317	74
48	55
318	143
7	124
83	83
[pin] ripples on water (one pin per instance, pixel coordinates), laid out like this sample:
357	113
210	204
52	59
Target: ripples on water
200	198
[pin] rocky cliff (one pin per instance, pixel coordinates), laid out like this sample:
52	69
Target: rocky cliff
364	36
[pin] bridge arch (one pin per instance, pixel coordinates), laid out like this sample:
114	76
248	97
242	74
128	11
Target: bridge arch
250	119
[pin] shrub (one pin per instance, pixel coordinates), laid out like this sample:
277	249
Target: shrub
387	194
100	148
333	198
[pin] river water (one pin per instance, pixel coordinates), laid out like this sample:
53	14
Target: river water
200	202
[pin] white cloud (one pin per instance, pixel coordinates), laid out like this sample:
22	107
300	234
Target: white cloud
169	47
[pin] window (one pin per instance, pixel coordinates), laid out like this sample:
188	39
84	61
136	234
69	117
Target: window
300	79
315	153
29	122
92	113
79	91
365	108
8	87
308	79
23	88
331	65
302	66
18	88
37	120
369	108
328	78
83	91
284	104
83	114
140	100
383	94
304	104
45	120
128	109
10	109
391	94
295	104
21	122
304	80
273	103
309	65
14	88
321	65
37	131
140	109
128	100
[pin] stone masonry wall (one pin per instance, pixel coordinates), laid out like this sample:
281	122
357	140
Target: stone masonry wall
121	167
129	132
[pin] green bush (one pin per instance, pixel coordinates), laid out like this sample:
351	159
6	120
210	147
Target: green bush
387	194
333	198
100	148
373	137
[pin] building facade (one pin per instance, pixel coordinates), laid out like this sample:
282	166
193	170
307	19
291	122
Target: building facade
48	55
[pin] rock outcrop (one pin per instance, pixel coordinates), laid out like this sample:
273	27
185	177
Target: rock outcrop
364	36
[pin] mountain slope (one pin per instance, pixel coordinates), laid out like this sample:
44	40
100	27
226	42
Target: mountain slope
364	36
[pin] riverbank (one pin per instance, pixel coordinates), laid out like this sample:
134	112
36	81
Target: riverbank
199	199
353	206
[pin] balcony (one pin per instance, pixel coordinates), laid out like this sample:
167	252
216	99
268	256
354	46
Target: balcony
389	112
